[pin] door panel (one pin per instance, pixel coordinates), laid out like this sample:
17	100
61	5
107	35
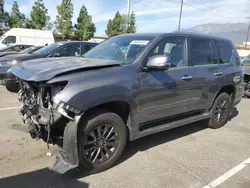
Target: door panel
171	92
166	93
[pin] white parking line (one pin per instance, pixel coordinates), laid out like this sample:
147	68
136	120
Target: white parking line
11	108
228	174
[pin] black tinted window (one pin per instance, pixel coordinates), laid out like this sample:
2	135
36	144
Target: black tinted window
225	51
70	50
200	52
87	47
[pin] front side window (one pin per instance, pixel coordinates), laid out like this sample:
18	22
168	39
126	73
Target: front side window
9	40
69	50
124	48
200	52
174	48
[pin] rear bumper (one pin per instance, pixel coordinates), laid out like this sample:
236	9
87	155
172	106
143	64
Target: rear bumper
238	94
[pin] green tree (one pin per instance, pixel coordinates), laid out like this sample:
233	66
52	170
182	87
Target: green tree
114	25
16	18
39	15
120	24
28	24
131	24
63	19
85	28
1	7
4	16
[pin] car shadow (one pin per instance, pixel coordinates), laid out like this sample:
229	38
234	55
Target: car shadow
153	140
150	141
41	179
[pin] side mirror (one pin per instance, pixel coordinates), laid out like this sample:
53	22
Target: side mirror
158	62
56	55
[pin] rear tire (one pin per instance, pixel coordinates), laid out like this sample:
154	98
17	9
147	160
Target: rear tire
220	111
101	141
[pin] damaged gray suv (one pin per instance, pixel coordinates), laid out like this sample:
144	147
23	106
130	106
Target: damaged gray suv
125	88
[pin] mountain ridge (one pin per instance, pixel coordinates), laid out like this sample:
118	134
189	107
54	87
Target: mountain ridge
233	31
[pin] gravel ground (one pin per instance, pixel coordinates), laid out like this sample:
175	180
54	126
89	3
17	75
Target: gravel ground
189	156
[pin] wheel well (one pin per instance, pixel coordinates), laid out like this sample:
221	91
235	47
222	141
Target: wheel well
121	108
246	78
229	89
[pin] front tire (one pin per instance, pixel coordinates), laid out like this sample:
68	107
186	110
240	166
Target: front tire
102	139
219	113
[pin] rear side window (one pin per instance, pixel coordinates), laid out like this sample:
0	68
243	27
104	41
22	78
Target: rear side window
86	47
225	51
200	52
69	50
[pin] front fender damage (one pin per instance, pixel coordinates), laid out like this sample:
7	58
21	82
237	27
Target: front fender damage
67	158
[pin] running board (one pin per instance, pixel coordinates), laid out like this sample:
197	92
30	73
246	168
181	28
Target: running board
172	125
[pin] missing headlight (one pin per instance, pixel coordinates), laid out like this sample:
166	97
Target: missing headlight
65	109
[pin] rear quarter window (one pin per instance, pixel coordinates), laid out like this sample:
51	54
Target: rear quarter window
226	53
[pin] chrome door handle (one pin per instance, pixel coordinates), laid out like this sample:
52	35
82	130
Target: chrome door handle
187	77
218	74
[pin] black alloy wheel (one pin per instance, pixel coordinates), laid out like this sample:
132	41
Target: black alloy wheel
220	111
100	144
102	138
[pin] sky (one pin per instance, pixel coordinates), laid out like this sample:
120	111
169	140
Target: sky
152	15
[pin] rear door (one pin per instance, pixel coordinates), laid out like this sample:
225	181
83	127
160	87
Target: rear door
208	73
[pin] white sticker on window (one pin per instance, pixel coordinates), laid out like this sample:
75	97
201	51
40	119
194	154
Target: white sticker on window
140	42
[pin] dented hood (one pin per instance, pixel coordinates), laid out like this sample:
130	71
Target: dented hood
47	68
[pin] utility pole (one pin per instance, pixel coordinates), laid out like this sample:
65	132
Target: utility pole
128	12
247	35
179	26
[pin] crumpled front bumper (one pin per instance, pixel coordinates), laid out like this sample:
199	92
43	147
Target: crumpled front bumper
67	158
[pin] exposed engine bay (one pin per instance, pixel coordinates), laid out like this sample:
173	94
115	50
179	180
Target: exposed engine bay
44	115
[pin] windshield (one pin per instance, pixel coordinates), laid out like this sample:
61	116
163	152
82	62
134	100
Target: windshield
121	48
47	49
27	50
246	60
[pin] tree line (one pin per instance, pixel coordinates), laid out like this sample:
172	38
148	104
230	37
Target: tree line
84	29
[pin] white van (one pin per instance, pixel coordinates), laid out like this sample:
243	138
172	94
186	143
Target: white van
26	36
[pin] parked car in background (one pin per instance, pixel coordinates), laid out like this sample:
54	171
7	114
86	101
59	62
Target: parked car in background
30	50
26	36
246	64
246	60
26	50
94	105
15	48
58	49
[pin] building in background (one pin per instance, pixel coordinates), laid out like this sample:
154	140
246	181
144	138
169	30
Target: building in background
248	43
